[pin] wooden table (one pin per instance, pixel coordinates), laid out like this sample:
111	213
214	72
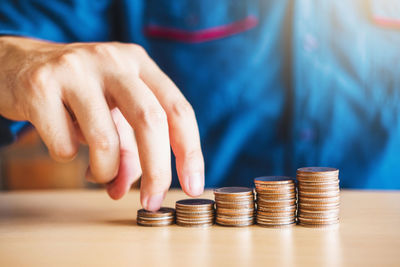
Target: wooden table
86	228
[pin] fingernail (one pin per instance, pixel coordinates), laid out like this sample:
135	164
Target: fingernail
196	183
154	202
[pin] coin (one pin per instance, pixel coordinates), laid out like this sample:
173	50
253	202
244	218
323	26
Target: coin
276	201
234	206
234	191
323	171
164	216
197	202
319	196
274	180
195	212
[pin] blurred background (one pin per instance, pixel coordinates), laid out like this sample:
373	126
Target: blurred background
26	165
334	85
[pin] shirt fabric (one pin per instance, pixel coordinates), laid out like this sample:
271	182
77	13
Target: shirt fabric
276	85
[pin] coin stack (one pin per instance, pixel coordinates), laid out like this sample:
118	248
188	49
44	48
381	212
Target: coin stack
276	201
164	216
318	196
235	206
196	212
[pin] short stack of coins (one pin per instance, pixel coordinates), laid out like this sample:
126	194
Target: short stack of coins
276	201
319	200
196	212
234	206
164	216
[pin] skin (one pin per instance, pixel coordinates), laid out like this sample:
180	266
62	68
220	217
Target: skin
113	97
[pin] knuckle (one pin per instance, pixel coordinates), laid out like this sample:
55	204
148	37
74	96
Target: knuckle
152	116
39	77
138	49
70	60
36	83
194	154
63	152
181	109
104	142
107	50
159	179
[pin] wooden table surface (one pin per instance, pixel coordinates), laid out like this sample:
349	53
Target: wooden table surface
86	228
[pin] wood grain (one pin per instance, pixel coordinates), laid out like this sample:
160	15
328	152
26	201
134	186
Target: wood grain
86	228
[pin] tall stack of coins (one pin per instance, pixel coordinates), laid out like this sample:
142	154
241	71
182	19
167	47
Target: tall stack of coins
164	216
318	196
235	206
276	201
196	212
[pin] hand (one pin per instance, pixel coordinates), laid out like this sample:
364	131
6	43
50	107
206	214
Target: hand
112	96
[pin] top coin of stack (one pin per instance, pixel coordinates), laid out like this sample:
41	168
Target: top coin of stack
235	206
196	212
318	189
164	216
276	201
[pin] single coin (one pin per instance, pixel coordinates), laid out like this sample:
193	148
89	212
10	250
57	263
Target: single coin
240	223
277	208
278	190
319	208
316	180
313	225
196	220
162	212
194	211
275	214
276	185
316	220
235	224
275	192
273	225
235	211
319	194
322	184
234	191
197	225
194	216
274	180
190	202
230	198
318	225
334	199
318	170
276	196
321	217
271	202
230	205
164	223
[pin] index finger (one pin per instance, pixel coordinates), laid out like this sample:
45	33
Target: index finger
183	129
144	113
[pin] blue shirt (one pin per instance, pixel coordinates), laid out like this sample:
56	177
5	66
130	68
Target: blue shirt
276	85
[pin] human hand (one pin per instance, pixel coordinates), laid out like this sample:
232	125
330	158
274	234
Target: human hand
113	97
